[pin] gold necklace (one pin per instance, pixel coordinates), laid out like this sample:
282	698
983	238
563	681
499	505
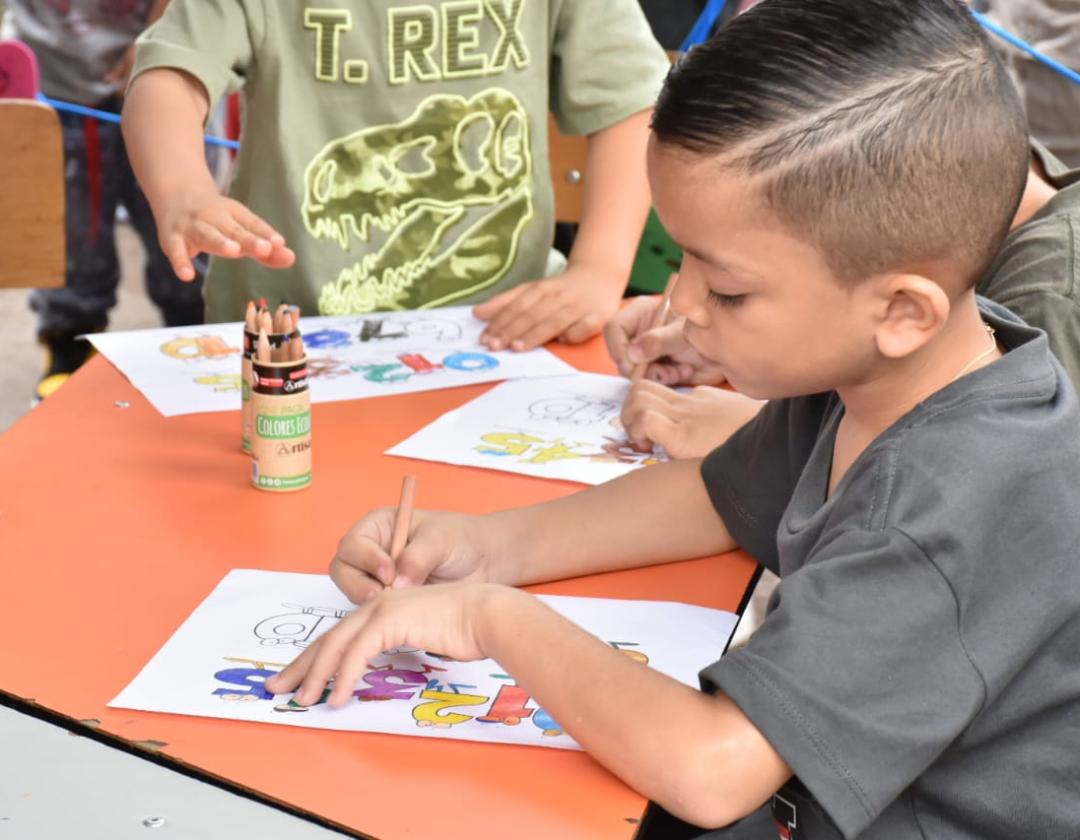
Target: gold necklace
981	356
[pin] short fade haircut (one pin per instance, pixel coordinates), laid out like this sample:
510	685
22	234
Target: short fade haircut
886	132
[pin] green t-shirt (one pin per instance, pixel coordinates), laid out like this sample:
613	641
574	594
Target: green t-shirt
402	149
1036	273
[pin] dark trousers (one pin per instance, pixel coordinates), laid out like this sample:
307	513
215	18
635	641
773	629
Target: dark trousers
97	181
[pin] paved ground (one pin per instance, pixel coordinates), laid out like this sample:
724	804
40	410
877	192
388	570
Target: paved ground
25	358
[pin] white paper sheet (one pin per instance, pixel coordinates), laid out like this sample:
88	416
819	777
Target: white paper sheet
187	370
564	427
255	622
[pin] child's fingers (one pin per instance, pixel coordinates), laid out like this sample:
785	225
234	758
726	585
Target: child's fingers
489	308
358	584
251	245
625	325
618	340
540	331
258	225
531	320
654	393
289	677
364	646
645	398
661	430
362	565
656	343
501	330
175	248
583	329
208	238
326	660
279	257
414	565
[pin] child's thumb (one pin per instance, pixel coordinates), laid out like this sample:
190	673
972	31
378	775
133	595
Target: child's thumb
413	567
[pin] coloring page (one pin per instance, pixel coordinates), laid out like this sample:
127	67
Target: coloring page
564	427
255	622
187	370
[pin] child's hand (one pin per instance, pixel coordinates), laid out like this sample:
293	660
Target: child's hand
437	618
686	425
572	306
631	339
441	547
208	221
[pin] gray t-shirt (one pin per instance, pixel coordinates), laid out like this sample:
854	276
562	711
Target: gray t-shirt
1036	273
919	668
77	42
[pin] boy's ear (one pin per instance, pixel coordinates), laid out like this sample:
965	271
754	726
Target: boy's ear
914	310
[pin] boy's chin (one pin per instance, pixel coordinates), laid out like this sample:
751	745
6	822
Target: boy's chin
757	390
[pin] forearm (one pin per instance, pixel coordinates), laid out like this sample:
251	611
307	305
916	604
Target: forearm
616	200
654	515
163	118
695	754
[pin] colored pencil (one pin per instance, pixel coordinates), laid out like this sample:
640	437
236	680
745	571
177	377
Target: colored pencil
659	320
403	517
262	349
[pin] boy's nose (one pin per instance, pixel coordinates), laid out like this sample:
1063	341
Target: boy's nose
687	298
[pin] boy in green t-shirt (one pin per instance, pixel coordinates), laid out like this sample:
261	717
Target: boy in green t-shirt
395	157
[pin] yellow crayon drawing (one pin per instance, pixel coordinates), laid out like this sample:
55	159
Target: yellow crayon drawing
531	449
222	383
191	348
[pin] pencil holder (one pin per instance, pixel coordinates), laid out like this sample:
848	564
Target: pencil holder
281	425
251	340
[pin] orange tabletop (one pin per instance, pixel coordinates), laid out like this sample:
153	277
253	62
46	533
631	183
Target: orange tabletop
116	522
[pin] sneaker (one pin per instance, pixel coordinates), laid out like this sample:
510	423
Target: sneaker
63	356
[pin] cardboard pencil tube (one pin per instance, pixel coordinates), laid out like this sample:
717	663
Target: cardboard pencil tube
281	427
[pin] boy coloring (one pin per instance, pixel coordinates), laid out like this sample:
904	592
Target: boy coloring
1035	274
395	156
838	174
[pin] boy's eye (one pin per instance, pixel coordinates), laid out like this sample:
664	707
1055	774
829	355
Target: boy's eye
729	301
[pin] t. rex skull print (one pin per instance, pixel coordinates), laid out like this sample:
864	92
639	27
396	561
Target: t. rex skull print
440	201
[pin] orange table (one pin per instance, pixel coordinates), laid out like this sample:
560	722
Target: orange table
115	523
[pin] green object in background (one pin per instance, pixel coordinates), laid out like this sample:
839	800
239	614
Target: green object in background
658	257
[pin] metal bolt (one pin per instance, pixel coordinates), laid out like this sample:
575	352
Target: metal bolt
121	403
573	176
154	822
